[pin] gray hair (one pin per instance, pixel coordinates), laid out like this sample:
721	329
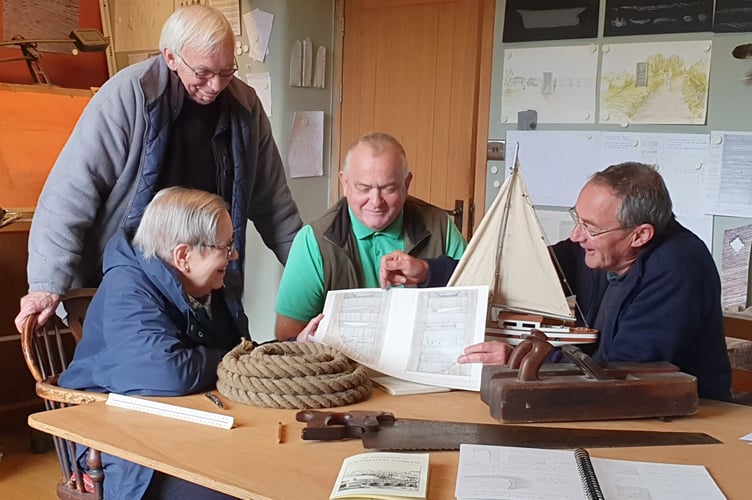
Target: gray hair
645	198
202	27
378	142
178	215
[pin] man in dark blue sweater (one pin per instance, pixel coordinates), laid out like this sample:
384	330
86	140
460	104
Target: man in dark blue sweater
649	285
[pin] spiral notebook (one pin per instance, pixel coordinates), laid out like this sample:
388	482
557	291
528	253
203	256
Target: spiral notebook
495	472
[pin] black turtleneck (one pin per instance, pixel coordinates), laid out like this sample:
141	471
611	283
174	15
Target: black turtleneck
190	161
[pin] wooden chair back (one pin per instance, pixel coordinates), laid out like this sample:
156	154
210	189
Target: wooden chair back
76	302
47	350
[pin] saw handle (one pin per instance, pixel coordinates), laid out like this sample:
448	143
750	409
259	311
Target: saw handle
330	425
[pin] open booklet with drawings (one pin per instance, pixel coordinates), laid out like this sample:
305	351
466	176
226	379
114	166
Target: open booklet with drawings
496	472
425	329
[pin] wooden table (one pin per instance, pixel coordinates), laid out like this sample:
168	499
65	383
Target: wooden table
247	462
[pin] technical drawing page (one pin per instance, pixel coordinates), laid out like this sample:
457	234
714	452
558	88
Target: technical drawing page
446	321
444	325
354	321
493	472
414	334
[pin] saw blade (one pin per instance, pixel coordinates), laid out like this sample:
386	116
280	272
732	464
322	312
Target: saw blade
425	435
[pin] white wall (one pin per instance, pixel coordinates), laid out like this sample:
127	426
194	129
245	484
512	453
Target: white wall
293	20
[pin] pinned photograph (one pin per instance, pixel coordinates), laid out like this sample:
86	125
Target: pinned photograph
649	17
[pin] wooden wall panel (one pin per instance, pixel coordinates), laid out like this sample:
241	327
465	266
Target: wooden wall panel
35	122
410	68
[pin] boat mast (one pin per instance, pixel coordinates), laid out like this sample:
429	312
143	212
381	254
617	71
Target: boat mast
504	221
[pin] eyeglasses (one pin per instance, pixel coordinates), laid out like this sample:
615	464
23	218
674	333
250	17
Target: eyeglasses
577	222
229	248
205	74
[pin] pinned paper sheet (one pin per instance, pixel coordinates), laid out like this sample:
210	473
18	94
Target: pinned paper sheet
231	10
305	157
307	62
296	61
319	78
262	84
305	70
258	27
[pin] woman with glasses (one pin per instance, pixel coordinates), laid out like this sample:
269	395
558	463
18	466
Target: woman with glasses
161	320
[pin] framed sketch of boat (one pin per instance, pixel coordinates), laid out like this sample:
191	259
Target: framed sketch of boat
510	254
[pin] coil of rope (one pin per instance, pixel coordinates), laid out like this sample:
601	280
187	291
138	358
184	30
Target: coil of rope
291	375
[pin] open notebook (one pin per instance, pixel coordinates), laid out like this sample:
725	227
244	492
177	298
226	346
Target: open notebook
493	472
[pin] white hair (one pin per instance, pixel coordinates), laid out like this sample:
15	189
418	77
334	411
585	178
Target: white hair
178	215
202	27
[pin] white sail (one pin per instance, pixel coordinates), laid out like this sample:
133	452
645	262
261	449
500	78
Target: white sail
509	243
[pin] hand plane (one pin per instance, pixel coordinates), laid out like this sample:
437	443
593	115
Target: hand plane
527	390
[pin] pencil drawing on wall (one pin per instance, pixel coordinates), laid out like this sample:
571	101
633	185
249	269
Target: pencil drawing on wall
557	82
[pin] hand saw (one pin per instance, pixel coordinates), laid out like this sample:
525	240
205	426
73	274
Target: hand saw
382	431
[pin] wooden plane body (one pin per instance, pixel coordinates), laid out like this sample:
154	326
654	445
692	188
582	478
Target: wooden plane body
527	390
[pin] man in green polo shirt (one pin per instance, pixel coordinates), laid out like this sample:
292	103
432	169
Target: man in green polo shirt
343	248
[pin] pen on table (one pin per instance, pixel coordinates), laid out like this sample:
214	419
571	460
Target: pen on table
214	399
280	430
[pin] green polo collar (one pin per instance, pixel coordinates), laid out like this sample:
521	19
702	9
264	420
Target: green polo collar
361	231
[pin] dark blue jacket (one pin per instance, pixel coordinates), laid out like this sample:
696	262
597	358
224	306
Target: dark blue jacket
667	307
136	341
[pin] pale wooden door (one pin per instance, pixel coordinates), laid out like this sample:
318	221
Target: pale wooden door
412	68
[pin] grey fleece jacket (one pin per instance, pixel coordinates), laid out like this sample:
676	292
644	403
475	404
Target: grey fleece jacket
107	173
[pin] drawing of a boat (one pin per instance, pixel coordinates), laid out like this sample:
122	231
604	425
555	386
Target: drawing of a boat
550	18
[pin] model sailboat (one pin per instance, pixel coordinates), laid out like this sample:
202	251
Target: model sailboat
509	253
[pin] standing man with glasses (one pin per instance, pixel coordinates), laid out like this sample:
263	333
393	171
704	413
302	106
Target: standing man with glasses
179	119
648	284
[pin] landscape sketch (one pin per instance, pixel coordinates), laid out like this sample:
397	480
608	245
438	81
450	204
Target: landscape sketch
655	83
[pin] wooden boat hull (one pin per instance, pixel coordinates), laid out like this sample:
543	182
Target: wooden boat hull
513	328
